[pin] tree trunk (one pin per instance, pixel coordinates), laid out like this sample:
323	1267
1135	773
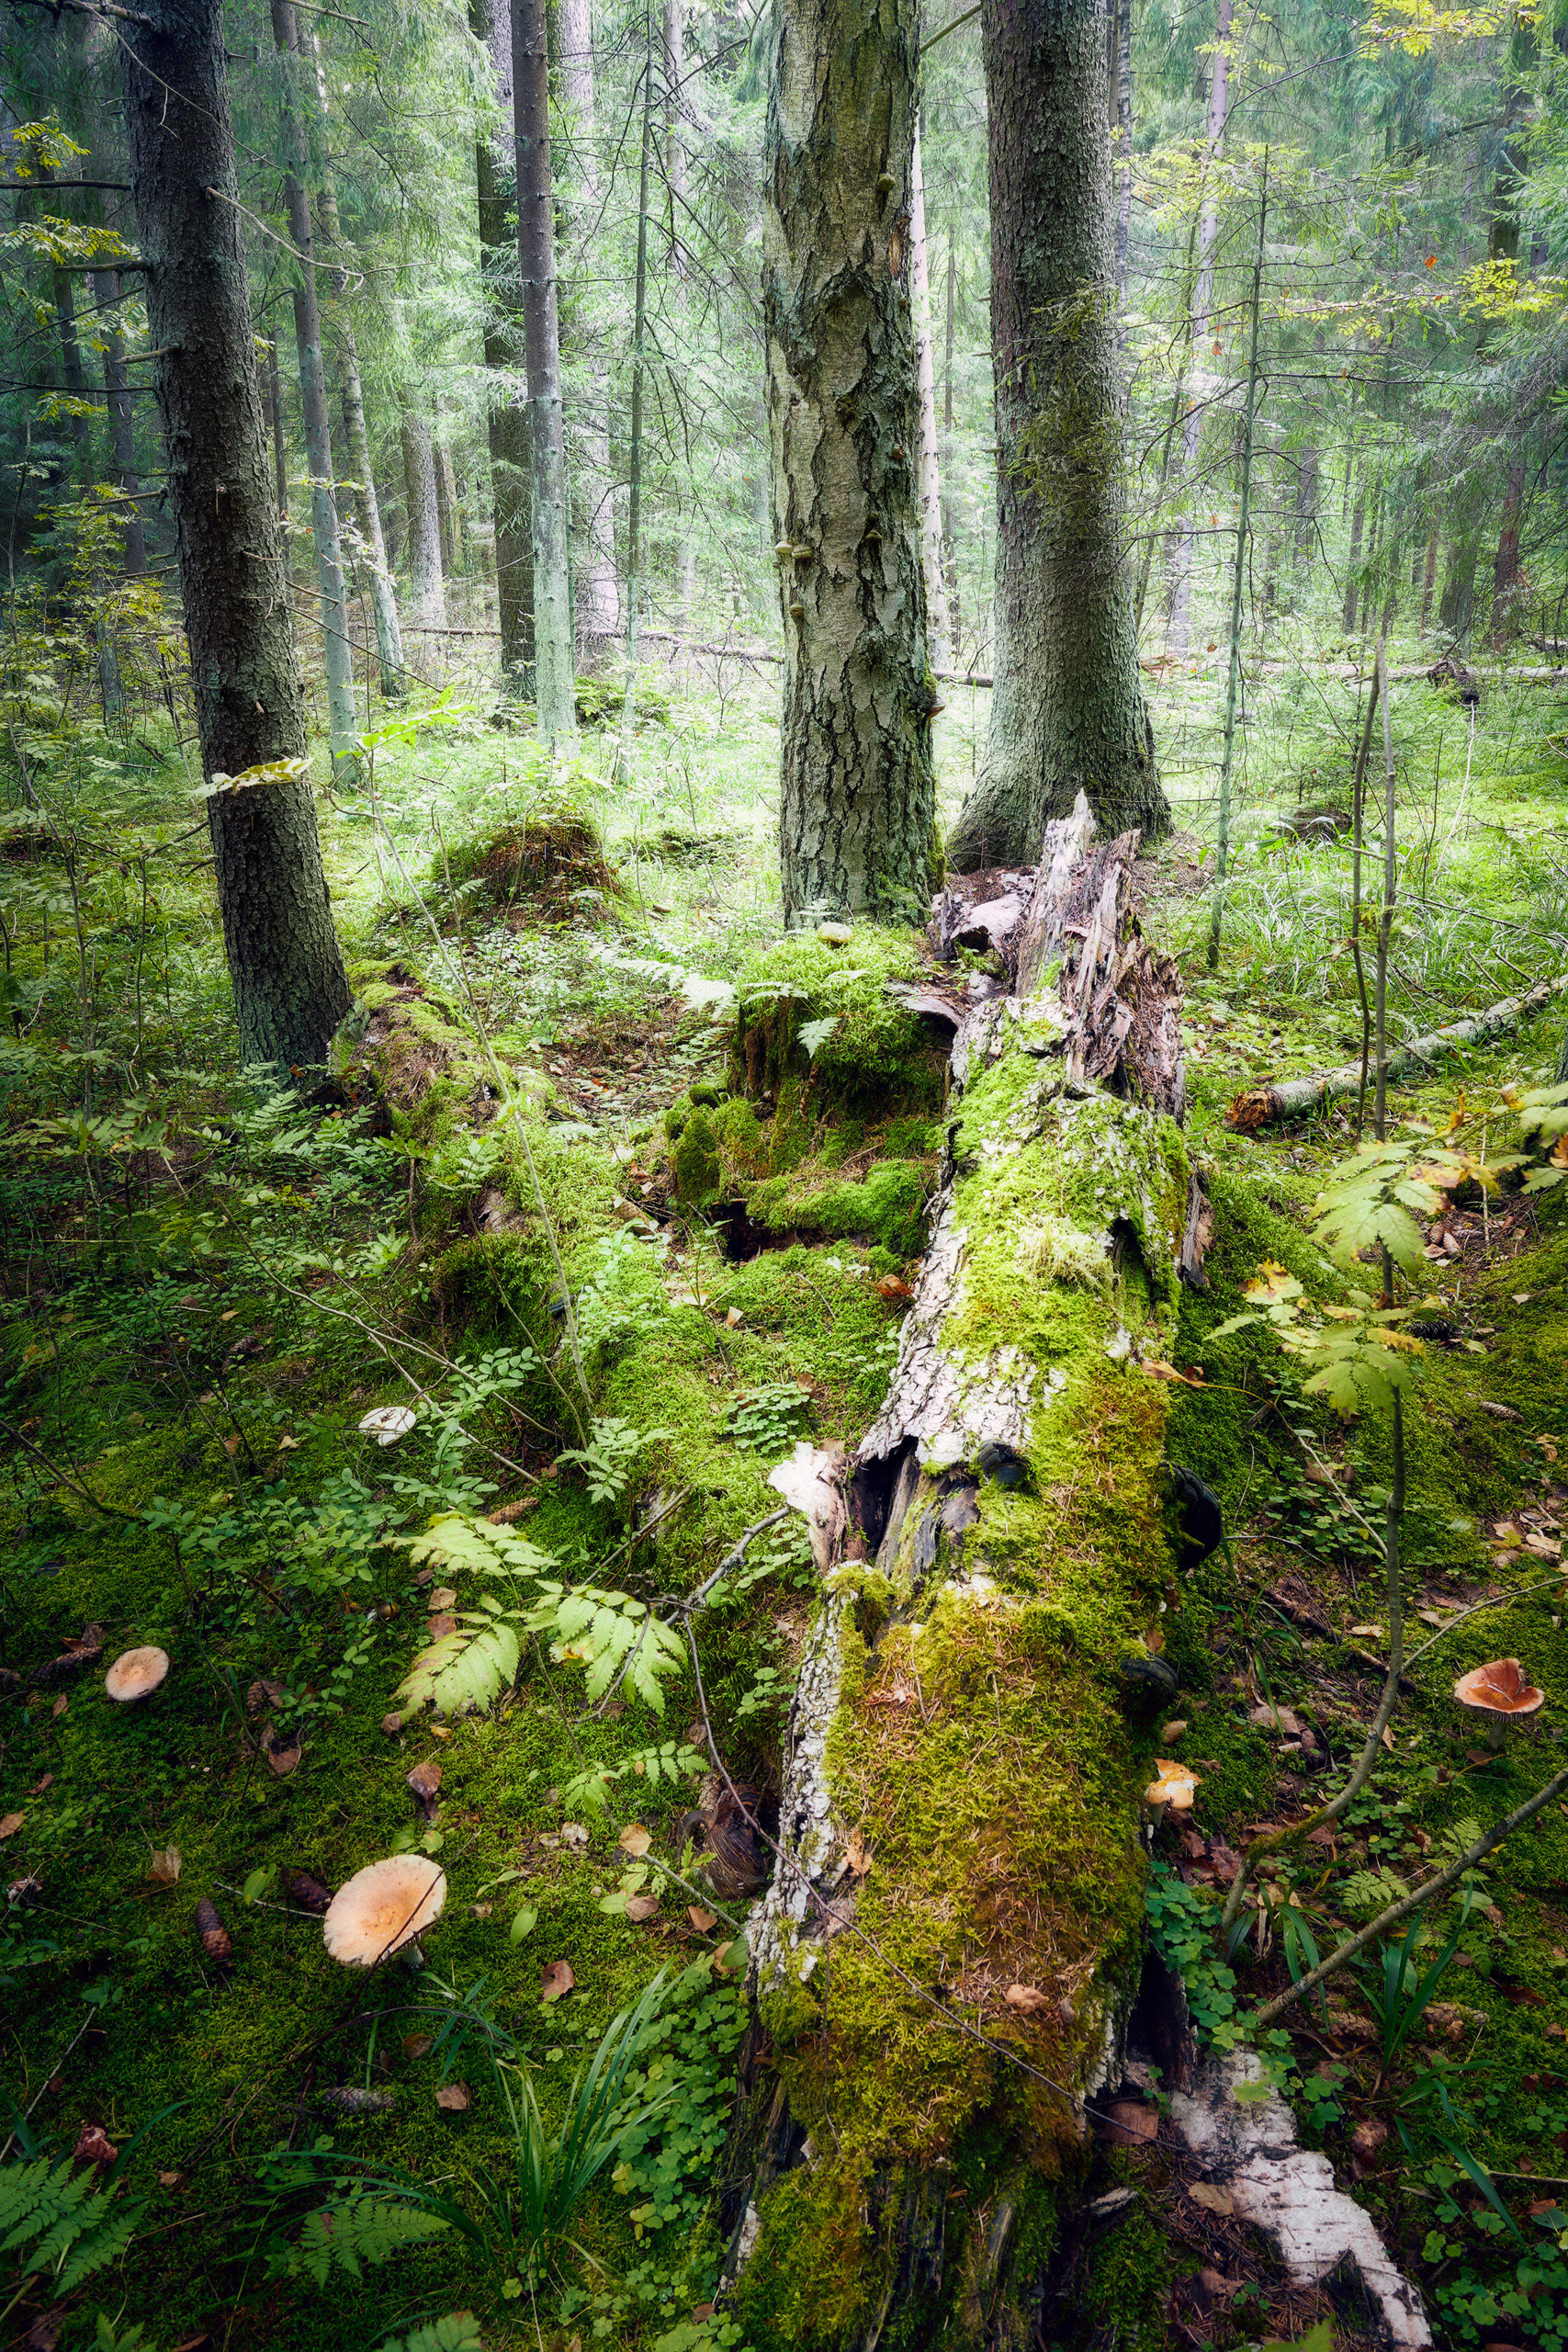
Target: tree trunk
554	676
1352	573
342	723
856	792
598	590
290	989
949	1950
441	474
675	142
275	411
1124	37
1178	628
1506	574
1308	476
949	504
1428	580
383	595
633	501
511	459
79	424
427	597
1067	711
938	636
108	287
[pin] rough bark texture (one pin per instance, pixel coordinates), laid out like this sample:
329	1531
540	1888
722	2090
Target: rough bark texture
337	651
1067	711
555	676
427	590
938	633
290	989
950	1945
856	794
1179	577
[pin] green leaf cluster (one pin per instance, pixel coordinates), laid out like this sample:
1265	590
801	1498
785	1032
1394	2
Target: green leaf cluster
70	2227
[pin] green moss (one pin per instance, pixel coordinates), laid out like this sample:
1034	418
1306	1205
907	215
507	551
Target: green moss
888	1204
877	1055
1129	2285
694	1161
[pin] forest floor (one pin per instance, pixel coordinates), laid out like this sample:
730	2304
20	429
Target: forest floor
612	1303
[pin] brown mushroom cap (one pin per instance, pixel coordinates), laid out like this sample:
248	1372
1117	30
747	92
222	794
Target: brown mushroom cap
1499	1688
383	1907
135	1674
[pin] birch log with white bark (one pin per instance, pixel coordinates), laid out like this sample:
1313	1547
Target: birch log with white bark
948	1951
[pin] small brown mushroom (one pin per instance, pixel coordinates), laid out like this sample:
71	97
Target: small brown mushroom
135	1674
1498	1690
383	1909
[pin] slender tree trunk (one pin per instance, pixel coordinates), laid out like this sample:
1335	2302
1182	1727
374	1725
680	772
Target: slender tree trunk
1308	476
290	989
634	506
79	424
555	669
337	650
856	799
674	140
427	597
511	459
1067	710
108	287
441	478
1352	567
275	408
1506	574
949	504
1428	580
383	595
598	589
1178	630
937	631
1223	841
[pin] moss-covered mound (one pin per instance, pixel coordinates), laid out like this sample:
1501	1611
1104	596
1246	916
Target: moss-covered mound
553	854
808	1006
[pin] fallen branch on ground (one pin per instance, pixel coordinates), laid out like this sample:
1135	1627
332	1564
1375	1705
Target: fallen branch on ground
1260	1106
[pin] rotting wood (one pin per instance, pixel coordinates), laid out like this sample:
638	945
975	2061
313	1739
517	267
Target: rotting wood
950	1941
1263	1106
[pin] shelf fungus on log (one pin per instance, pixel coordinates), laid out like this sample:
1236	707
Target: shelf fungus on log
959	1717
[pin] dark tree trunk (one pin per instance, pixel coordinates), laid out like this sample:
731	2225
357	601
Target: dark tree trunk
1506	574
856	792
383	596
511	461
428	593
1067	711
554	673
1428	580
79	424
1123	37
290	989
108	288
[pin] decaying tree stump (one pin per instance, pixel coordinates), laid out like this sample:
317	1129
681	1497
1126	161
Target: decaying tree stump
951	1942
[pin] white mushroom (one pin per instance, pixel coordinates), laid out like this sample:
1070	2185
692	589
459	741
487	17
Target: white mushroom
135	1674
383	1909
387	1423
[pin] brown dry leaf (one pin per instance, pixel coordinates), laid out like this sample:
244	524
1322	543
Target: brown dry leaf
423	1784
262	1693
418	2045
1211	2196
46	2330
288	1444
894	1286
1368	2138
443	1596
704	1921
1128	2122
858	1854
1174	1729
165	1867
635	1839
1283	1719
734	1319
440	1731
1026	1998
282	1755
391	1724
641	1906
60	1705
440	1626
1158	1371
168	2180
453	2097
10	1823
555	1980
94	2147
483	1910
1388	1738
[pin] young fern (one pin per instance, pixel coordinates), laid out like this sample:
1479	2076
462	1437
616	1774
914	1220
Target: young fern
344	2234
73	2227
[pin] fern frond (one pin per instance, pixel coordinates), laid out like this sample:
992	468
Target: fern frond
358	2230
458	2332
80	2229
455	1541
100	2244
470	1667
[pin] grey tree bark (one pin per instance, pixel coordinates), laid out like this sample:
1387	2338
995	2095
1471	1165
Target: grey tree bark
856	792
511	459
337	651
554	676
290	989
427	587
1067	710
1180	566
598	588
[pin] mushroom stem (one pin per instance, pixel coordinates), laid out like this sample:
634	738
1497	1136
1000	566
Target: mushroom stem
412	1957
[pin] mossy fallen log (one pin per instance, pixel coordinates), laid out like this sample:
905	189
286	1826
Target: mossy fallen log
951	1942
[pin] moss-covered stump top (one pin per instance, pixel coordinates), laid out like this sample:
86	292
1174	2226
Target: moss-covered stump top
805	1005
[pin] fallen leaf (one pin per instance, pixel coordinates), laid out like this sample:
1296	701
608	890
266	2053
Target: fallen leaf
1027	1998
262	1693
94	2147
1368	2138
483	1910
440	1626
701	2311
635	1839
734	1319
1158	1371
46	2330
60	1706
282	1755
391	1724
440	1731
39	1786
1211	2196
641	1906
894	1286
1128	2123
573	1833
1173	1730
168	2180
555	1980
858	1854
418	2045
1283	1719
165	1867
387	1423
10	1823
442	1598
704	1921
1388	1738
423	1784
288	1445
453	2097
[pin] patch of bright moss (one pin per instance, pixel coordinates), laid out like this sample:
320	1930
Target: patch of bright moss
877	1055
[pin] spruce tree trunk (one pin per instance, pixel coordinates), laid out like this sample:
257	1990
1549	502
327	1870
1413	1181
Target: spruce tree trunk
441	475
108	288
949	1949
1124	34
938	630
598	586
427	597
79	424
337	651
1506	574
1308	473
275	414
1428	580
949	504
383	595
290	989
1352	573
511	460
555	676
856	793
1068	710
1179	573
